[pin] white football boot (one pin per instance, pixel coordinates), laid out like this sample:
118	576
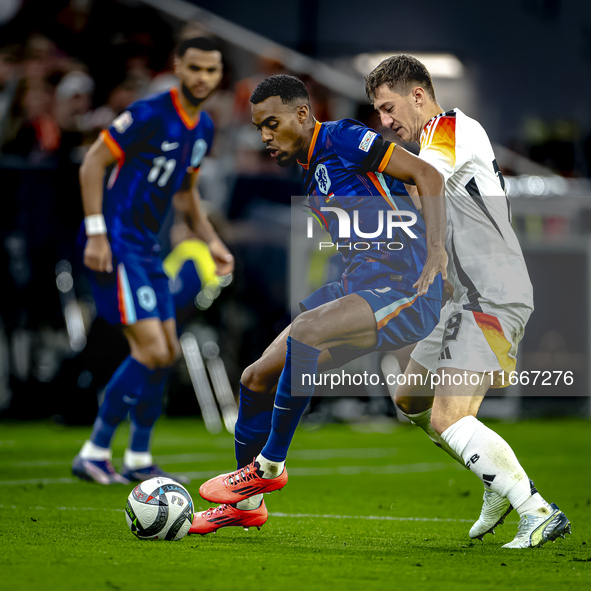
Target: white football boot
536	530
494	510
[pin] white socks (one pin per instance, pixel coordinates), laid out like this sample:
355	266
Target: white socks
270	469
423	420
90	451
489	456
250	503
131	459
135	460
535	505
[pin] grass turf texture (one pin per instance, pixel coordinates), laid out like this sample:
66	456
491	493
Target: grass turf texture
73	535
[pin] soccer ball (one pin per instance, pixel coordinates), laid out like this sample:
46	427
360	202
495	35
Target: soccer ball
159	509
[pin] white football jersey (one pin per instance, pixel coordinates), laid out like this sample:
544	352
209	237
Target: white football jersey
485	260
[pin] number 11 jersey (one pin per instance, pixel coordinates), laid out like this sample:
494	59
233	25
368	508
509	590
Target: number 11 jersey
156	144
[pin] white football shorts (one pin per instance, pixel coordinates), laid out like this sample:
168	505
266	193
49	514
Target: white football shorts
479	341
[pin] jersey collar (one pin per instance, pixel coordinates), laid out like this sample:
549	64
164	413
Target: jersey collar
178	107
317	127
450	113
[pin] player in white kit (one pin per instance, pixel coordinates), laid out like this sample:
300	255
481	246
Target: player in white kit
474	346
493	296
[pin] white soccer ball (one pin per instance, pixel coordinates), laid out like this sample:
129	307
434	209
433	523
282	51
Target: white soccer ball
159	509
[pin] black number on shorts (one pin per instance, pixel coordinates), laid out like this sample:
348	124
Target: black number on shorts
453	327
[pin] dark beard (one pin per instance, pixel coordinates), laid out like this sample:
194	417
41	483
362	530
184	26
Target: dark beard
194	101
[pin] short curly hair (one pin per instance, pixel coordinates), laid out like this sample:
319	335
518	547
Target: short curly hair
400	73
287	88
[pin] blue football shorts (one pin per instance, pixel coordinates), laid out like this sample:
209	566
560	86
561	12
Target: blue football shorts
137	289
402	318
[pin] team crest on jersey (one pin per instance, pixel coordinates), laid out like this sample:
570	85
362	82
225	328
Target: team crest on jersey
199	149
322	178
367	140
123	121
146	298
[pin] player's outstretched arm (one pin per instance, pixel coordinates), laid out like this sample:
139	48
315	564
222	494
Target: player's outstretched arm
97	252
188	201
409	169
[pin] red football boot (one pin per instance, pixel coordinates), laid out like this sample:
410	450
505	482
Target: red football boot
228	516
239	485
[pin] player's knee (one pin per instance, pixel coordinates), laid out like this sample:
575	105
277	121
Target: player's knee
402	401
255	379
248	378
154	355
412	395
412	400
306	329
160	359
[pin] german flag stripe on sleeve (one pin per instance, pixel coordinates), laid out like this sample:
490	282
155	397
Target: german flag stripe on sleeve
440	134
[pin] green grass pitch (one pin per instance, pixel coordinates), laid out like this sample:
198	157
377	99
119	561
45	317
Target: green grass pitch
361	511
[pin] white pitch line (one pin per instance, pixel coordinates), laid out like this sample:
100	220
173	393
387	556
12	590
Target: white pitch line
61	508
289	515
39	463
296	454
308	471
347	470
354	454
370	517
171	459
39	481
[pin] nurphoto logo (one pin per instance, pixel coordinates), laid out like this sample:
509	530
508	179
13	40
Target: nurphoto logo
386	223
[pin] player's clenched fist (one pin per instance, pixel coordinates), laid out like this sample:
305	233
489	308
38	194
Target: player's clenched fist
97	254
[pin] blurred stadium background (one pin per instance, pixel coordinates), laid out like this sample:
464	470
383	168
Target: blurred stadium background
68	67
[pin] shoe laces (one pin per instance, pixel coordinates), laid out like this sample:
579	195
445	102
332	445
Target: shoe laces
215	510
243	475
522	528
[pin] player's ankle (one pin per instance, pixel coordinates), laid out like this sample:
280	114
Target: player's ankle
269	468
136	460
534	505
91	451
250	504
